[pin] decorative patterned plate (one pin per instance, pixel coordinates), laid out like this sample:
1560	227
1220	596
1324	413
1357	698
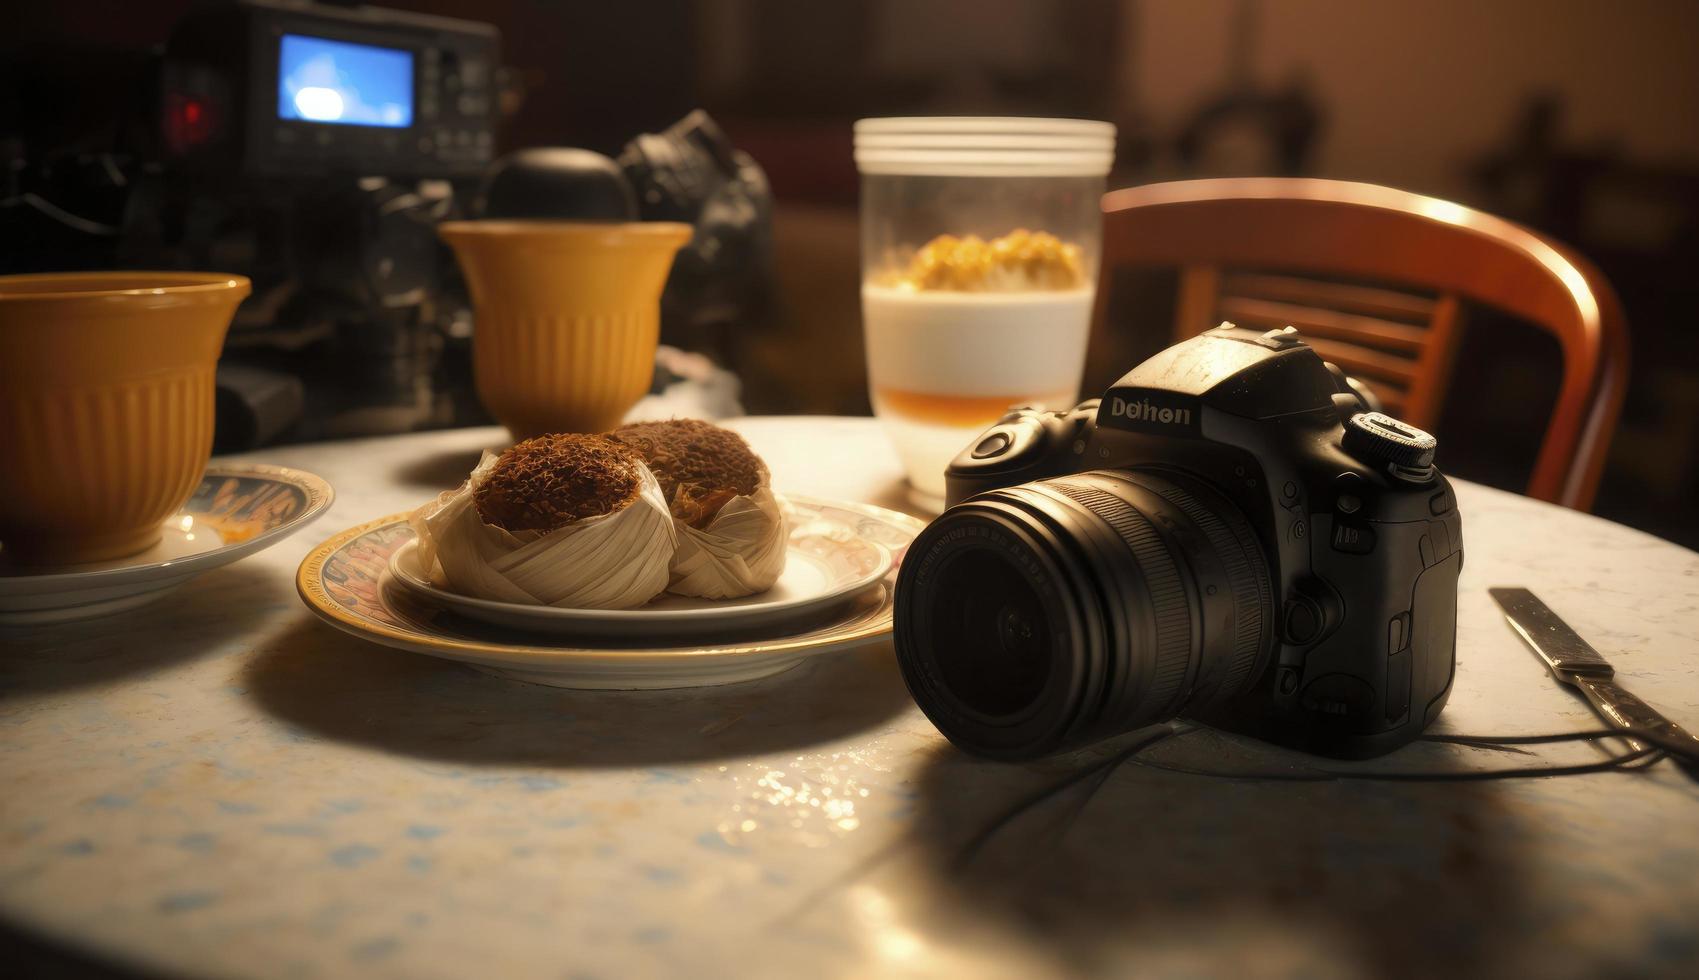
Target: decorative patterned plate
238	509
824	570
346	582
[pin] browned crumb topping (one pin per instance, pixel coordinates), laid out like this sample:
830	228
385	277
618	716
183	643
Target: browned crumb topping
1020	260
700	466
551	481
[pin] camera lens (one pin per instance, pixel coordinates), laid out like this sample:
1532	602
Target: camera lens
993	647
1040	617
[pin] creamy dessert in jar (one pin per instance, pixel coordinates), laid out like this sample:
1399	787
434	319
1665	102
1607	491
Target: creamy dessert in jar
968	328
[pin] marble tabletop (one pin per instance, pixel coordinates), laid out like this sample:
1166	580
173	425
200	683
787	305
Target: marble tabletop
220	785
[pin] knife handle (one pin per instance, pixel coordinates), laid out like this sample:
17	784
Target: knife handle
1627	711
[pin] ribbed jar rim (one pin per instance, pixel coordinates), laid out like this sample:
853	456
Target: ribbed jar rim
984	146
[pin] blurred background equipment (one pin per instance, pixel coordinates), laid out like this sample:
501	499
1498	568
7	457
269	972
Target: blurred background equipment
311	147
318	146
557	183
722	281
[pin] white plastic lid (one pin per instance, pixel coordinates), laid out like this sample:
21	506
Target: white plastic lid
984	146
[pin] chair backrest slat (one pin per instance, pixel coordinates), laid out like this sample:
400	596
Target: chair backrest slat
1388	304
1318	321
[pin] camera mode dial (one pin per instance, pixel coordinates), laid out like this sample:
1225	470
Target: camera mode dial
1378	438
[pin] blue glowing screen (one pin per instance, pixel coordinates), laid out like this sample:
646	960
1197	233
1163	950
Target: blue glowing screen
320	80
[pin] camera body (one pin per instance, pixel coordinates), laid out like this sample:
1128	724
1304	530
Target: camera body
1359	532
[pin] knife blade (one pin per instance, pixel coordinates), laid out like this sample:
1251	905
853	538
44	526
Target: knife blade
1573	661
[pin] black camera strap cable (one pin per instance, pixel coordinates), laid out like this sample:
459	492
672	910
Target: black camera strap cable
1625	761
1658	748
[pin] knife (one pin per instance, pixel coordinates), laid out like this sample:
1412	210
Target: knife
1574	661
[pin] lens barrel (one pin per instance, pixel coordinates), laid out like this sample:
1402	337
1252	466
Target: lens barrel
1043	616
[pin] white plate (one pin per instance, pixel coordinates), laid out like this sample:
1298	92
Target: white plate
824	570
238	509
345	581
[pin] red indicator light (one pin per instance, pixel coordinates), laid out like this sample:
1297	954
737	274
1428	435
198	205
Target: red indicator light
189	122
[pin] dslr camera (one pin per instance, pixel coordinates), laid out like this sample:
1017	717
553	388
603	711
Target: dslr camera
1229	534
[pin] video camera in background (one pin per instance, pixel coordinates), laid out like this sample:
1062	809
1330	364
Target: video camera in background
312	147
316	148
279	89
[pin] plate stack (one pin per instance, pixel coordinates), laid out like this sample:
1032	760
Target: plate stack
835	593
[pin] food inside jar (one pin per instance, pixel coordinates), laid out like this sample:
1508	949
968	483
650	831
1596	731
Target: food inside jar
1019	261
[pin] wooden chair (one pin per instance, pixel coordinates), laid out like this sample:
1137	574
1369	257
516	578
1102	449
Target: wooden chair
1373	278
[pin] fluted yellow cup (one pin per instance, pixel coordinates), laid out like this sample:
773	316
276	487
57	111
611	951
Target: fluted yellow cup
567	317
106	406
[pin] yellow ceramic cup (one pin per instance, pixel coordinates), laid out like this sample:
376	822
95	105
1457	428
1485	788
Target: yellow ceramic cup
567	316
106	405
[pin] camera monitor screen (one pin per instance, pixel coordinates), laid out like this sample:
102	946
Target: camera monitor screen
319	80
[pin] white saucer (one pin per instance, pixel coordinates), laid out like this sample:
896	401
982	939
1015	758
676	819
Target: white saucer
823	573
238	509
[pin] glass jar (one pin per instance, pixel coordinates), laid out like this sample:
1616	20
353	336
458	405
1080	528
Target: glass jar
979	253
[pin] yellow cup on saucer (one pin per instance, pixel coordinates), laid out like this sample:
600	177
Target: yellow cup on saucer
106	406
567	316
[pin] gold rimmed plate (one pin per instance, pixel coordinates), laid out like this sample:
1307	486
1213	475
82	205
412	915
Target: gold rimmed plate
347	583
236	510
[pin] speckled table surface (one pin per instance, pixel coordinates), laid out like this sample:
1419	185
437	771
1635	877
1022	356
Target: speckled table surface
220	785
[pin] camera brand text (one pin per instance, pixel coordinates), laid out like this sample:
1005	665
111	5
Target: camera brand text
1144	411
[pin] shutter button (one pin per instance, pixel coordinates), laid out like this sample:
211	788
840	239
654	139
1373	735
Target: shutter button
992	445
